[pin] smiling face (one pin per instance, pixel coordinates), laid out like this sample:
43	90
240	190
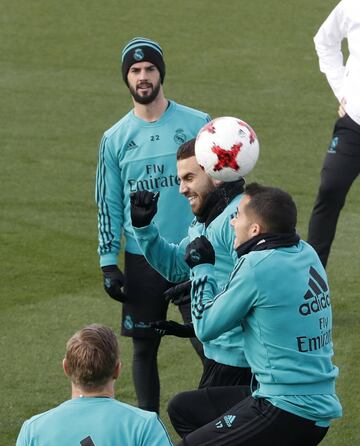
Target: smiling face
144	82
245	223
195	184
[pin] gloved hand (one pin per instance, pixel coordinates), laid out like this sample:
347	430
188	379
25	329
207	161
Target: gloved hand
199	251
143	207
178	294
113	282
165	328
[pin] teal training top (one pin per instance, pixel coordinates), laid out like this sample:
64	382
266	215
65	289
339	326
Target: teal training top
137	155
168	259
281	297
94	422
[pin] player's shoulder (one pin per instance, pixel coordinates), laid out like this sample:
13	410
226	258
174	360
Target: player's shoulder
43	416
193	112
133	415
119	126
144	415
194	222
253	260
280	255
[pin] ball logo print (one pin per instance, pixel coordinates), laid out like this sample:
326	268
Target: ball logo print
226	158
227	148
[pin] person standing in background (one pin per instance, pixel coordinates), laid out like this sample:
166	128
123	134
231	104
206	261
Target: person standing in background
139	153
342	162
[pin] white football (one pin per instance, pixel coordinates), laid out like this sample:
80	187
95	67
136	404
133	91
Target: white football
227	148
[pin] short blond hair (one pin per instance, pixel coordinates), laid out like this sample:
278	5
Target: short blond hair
92	355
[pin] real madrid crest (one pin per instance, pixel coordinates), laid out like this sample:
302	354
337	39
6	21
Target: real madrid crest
180	136
138	54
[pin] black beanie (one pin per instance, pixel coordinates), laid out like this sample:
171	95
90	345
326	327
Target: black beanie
141	49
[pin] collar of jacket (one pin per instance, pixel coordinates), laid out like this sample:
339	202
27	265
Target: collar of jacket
217	200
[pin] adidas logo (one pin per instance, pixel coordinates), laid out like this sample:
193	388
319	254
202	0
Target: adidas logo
131	145
229	419
317	297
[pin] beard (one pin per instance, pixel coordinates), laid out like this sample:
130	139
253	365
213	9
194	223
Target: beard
148	98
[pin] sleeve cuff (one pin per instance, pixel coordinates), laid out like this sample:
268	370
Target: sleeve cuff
146	232
204	269
108	259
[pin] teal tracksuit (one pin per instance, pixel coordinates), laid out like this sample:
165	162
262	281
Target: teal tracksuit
137	155
168	259
94	421
281	298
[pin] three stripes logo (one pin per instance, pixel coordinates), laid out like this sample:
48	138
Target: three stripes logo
198	306
227	421
317	297
131	145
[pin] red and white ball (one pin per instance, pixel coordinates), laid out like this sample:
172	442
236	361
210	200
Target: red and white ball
227	148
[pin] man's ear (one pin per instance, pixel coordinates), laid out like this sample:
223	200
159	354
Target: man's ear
255	229
216	183
65	367
117	370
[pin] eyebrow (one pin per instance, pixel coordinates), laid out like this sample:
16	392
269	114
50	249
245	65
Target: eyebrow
149	67
187	175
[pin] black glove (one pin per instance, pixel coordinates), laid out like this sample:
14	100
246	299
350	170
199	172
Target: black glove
113	282
178	294
164	328
199	251
143	207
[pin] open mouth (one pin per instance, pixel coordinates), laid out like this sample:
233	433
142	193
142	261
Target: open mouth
144	87
191	198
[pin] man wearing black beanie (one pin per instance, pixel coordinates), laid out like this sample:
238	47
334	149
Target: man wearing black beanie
142	50
139	153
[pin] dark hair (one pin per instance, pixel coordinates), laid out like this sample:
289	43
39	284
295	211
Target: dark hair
186	150
92	355
273	206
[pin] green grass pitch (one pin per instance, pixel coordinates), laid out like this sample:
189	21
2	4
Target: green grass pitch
61	88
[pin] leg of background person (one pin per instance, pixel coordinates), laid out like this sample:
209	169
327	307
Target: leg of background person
145	373
185	310
144	288
256	422
189	411
341	167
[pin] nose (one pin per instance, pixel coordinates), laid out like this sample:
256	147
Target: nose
183	187
143	75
